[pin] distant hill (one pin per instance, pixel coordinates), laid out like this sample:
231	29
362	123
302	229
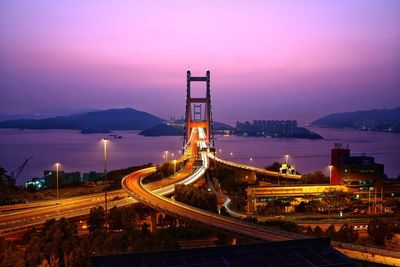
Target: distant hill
176	129
374	120
7	117
163	129
111	119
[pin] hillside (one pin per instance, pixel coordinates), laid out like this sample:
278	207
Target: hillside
375	120
111	119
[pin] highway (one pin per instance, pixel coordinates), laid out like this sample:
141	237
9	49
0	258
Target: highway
134	187
17	218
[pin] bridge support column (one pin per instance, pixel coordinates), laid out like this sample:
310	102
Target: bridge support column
153	221
251	203
232	241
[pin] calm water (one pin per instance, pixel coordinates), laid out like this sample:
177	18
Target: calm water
78	152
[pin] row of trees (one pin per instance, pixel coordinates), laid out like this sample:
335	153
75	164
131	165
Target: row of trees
59	244
346	233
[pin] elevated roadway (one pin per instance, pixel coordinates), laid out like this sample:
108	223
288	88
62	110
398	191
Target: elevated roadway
133	184
254	169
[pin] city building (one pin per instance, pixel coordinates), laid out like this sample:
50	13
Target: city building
360	173
273	128
64	178
92	176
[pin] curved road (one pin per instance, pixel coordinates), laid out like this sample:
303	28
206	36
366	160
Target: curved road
133	185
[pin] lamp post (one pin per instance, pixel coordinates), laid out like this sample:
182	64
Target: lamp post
166	155
57	165
286	159
251	159
174	166
330	175
105	140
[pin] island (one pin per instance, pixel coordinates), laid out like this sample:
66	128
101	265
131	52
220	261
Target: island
383	120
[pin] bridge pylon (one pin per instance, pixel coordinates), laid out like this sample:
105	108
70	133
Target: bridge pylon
194	116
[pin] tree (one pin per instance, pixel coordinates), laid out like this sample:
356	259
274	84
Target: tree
9	254
114	219
318	231
310	230
301	207
96	218
331	232
379	231
273	167
314	178
347	234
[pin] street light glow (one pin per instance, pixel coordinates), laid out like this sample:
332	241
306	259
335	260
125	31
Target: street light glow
105	140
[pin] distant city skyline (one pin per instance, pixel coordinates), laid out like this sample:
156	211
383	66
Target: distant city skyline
268	59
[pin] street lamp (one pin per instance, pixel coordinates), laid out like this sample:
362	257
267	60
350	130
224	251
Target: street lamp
105	140
174	165
330	175
166	155
286	159
57	165
251	159
231	154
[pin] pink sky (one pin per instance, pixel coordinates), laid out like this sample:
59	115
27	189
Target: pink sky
268	59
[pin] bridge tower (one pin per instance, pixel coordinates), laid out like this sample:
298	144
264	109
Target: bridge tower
193	116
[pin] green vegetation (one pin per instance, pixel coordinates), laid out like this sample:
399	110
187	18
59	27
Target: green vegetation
380	231
314	178
275	207
196	197
346	233
164	170
331	201
230	182
58	242
274	167
11	194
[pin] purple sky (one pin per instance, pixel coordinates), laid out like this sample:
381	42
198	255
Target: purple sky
268	59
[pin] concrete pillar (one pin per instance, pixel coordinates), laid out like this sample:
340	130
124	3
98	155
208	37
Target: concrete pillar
153	221
232	241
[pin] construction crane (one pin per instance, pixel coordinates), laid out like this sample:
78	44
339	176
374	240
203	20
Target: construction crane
20	168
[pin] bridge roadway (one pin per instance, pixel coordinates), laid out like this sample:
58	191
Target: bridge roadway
134	187
254	169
